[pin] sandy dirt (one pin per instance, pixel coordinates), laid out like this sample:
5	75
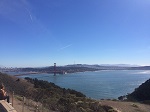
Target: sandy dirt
18	105
28	106
126	106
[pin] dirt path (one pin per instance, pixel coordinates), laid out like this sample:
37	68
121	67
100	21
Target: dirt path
127	106
18	105
29	106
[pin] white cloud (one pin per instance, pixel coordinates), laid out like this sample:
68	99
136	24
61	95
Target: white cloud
65	47
30	15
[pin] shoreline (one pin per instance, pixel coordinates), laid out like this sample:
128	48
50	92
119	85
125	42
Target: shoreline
32	73
120	106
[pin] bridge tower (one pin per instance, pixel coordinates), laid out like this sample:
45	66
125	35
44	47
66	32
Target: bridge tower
54	69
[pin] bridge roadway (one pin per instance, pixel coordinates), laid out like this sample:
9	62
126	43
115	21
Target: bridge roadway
30	73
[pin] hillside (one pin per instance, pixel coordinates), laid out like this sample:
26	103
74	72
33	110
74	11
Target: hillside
57	99
142	93
52	96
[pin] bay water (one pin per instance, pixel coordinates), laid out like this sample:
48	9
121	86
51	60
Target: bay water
99	84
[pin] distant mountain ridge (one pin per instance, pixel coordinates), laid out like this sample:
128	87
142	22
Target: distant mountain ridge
1	66
118	65
80	68
112	66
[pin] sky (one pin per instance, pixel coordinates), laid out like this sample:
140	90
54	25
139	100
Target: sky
36	33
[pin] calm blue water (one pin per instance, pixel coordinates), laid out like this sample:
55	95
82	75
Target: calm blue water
100	84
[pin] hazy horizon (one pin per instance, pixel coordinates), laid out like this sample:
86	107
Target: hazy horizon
121	65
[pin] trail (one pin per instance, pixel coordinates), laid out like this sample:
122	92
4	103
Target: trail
127	106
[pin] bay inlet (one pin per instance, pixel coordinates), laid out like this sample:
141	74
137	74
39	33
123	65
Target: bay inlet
99	84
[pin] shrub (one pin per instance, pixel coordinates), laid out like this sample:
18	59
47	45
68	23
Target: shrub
134	105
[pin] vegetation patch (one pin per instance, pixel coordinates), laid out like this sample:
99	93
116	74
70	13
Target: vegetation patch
18	98
142	93
51	96
112	110
134	105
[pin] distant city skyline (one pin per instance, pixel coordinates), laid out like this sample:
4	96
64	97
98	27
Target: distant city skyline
41	33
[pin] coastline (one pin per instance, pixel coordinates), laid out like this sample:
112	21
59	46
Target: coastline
22	73
97	85
116	105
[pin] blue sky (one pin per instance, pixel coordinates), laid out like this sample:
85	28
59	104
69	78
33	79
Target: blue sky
36	33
